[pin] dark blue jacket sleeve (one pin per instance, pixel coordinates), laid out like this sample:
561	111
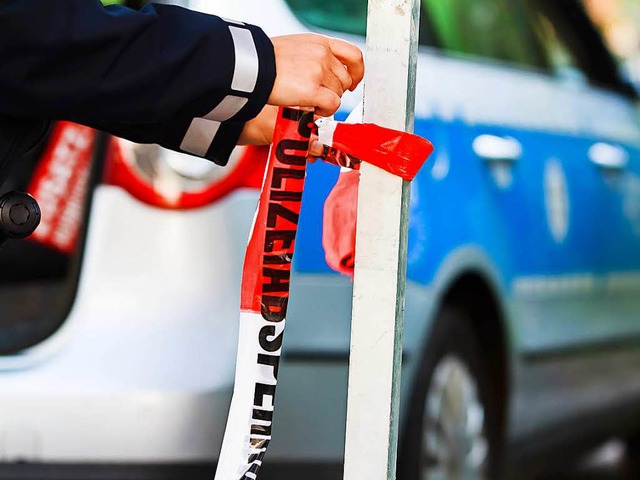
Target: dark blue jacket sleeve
166	75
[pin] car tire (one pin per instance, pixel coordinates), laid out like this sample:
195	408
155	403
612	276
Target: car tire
459	438
631	466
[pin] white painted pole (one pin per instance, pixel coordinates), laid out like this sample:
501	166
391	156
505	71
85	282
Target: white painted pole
381	249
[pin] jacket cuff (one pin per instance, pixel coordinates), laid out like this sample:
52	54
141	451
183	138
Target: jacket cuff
224	143
252	78
266	74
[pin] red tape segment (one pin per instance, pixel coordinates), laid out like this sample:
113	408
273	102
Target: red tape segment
264	299
399	153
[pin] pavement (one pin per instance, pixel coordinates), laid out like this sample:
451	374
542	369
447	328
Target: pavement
605	463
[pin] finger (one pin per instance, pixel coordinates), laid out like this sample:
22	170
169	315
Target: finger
327	102
316	149
341	73
351	56
333	83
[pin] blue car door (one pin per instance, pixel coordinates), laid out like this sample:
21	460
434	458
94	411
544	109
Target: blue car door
517	163
607	144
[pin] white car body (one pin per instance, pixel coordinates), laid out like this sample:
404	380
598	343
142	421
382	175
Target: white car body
143	368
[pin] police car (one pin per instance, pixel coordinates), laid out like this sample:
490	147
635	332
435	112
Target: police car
118	322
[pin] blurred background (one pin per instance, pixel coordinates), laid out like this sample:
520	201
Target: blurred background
619	22
118	316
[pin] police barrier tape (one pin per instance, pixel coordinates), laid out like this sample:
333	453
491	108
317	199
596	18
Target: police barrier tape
267	267
264	299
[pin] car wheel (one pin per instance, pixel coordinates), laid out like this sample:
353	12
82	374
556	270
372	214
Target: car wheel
631	466
453	428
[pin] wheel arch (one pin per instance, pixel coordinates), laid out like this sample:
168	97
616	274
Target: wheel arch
473	294
468	281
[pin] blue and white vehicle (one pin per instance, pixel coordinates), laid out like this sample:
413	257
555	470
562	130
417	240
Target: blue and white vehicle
522	324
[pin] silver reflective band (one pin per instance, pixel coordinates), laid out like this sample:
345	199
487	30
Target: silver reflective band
245	75
227	108
235	22
200	136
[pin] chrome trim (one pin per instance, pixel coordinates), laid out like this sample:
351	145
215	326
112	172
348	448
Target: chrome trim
455	443
608	157
495	148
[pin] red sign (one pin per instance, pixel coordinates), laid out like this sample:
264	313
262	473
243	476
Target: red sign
60	185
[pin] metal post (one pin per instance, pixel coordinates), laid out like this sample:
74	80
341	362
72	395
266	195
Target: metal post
381	250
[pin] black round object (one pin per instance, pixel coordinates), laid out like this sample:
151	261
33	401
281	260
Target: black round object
19	215
631	464
452	345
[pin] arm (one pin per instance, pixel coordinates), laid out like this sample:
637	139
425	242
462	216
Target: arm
167	75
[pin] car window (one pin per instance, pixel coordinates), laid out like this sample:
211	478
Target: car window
573	46
557	45
348	16
619	25
495	29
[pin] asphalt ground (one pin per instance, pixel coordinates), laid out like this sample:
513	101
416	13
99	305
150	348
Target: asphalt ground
606	463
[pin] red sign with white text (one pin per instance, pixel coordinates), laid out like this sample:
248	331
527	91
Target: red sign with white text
60	184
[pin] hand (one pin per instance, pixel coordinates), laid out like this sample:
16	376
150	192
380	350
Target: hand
259	131
314	71
316	149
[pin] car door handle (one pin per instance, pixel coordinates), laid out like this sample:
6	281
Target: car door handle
494	148
608	157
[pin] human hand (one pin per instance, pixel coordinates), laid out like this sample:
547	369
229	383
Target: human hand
316	149
314	71
259	131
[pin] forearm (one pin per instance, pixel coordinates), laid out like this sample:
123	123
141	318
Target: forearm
135	73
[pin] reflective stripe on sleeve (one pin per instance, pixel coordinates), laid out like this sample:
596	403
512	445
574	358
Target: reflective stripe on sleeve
245	75
199	136
229	20
227	108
